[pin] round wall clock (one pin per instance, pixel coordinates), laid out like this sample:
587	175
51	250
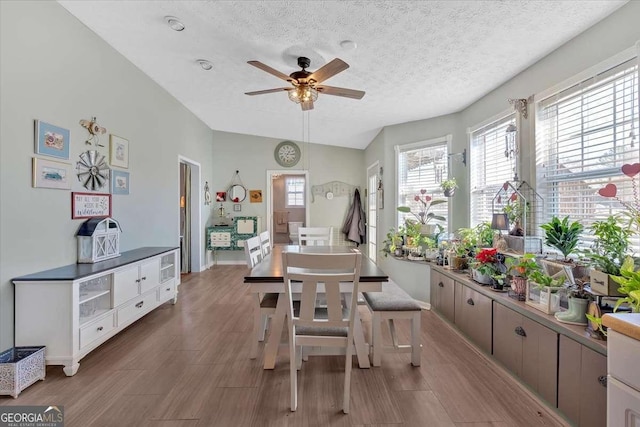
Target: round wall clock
287	154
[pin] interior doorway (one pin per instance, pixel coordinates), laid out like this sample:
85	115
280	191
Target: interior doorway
287	203
191	247
374	190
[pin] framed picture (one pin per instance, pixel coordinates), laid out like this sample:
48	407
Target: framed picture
255	196
51	174
51	140
237	207
88	205
221	196
119	182
118	151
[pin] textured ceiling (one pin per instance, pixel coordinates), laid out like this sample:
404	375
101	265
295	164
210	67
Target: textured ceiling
414	59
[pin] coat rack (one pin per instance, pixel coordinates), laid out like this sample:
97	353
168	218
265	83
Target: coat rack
333	189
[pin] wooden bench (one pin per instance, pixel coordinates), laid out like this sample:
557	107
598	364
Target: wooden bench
390	304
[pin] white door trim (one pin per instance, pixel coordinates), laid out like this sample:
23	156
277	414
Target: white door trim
269	195
197	247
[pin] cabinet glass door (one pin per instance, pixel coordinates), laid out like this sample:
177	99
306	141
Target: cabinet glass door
94	297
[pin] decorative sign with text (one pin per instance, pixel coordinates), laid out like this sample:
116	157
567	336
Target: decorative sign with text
89	205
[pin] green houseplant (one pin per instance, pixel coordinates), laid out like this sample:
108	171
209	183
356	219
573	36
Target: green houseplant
514	211
449	187
393	243
543	291
521	269
424	203
629	281
562	235
485	234
609	250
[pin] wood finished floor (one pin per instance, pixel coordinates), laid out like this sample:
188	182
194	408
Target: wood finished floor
187	365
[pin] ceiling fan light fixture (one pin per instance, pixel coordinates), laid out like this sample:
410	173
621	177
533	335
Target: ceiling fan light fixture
174	23
303	93
206	65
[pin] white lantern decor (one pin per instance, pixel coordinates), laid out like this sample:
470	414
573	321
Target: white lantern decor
98	239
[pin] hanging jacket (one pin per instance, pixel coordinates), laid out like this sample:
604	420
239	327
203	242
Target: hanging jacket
354	226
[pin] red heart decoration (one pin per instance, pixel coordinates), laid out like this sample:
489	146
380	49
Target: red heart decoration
514	197
631	170
609	190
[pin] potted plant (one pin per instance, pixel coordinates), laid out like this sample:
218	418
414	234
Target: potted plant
629	281
484	265
393	243
423	216
608	252
521	269
485	234
449	187
562	235
543	291
415	241
514	211
579	298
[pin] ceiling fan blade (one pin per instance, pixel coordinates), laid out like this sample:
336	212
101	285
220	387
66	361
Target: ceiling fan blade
262	92
306	106
340	91
270	70
328	70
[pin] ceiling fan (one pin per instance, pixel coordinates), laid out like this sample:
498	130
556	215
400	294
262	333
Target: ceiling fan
305	85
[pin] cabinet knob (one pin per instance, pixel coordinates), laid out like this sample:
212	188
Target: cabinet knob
520	331
140	304
470	302
144	278
100	328
441	284
137	280
168	289
602	379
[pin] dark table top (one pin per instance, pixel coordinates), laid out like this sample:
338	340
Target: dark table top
270	269
78	271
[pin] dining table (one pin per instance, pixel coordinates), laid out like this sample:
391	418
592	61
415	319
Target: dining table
267	277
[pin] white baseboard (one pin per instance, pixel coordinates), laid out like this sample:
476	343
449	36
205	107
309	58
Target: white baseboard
228	262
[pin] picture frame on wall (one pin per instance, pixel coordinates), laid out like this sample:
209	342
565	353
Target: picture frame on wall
51	174
119	182
89	205
118	151
51	140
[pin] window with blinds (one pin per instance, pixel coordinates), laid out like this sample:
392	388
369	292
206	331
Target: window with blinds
492	163
584	135
295	192
422	166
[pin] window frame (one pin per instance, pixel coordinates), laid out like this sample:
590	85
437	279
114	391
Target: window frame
445	140
287	179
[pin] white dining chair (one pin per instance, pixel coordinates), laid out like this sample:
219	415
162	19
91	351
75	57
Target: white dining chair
315	236
265	305
321	327
265	241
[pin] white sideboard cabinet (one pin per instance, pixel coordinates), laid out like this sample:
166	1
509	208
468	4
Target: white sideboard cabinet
73	309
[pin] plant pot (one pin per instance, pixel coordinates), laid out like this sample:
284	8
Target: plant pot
575	315
19	368
543	298
449	192
427	229
603	284
458	263
483	279
519	287
431	254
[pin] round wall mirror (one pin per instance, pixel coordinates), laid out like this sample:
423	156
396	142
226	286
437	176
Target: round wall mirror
237	193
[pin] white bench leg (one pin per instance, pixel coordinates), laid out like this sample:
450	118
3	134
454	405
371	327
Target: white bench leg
376	337
415	339
257	327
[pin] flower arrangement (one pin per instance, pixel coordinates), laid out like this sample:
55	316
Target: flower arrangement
424	204
486	262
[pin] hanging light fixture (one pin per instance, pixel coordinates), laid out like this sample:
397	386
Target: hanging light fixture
303	93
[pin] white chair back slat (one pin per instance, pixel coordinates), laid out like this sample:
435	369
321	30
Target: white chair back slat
265	241
253	251
308	300
334	301
315	236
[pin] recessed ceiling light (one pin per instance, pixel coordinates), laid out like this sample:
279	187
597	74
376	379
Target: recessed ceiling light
206	65
174	23
348	44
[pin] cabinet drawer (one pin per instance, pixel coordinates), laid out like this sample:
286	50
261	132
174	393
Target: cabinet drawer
96	329
473	312
623	405
167	290
136	308
622	357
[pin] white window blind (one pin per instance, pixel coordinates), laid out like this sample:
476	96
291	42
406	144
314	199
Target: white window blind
584	135
490	167
295	192
422	167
